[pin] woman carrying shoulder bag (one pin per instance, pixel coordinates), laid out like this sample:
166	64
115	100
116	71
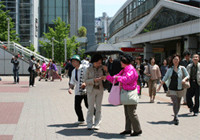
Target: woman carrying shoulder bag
128	79
174	79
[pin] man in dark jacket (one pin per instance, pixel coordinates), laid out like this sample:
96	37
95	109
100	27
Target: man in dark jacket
32	68
185	62
15	62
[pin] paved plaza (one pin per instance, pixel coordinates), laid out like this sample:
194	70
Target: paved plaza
46	112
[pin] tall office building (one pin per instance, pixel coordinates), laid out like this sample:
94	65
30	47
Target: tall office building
82	13
25	16
51	10
88	8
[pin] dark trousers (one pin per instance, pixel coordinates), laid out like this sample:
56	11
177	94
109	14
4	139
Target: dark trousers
193	91
16	76
132	121
32	78
77	106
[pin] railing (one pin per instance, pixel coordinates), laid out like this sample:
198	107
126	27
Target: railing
22	51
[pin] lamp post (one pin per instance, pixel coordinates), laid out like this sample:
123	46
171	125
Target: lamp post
53	48
65	40
8	19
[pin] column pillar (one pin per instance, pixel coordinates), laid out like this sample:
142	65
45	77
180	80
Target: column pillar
148	51
190	44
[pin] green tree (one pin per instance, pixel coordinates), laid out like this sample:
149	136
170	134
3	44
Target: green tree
4	26
31	47
59	33
82	31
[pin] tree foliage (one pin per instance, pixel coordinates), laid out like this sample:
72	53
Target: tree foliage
82	31
4	25
31	47
59	33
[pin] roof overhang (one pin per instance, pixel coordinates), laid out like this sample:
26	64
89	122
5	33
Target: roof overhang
191	27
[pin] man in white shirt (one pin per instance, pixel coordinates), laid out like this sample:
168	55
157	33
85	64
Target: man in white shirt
77	78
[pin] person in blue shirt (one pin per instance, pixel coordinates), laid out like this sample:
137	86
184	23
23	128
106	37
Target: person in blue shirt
174	78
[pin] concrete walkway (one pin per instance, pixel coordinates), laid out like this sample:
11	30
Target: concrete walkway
46	112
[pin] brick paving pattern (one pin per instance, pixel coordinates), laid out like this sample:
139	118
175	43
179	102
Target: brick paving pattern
48	114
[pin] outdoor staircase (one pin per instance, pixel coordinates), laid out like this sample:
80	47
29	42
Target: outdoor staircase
24	53
6	53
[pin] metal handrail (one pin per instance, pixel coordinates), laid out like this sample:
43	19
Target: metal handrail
25	53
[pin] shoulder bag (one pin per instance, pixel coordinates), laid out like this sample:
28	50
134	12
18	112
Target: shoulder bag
147	78
187	83
129	97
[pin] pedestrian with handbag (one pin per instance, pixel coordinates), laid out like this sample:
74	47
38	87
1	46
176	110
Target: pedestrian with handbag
194	71
77	81
128	77
153	71
174	79
94	87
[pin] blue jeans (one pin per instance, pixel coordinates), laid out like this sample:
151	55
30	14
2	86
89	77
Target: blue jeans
16	76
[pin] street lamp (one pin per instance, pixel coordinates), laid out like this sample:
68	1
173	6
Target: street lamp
8	19
65	40
53	48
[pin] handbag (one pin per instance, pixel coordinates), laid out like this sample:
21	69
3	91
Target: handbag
129	97
106	83
187	83
114	96
147	78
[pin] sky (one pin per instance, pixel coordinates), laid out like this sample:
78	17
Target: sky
108	6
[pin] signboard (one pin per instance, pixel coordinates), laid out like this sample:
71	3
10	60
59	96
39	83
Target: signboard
139	50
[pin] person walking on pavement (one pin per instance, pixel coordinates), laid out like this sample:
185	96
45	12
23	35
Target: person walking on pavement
185	62
140	70
194	72
128	78
155	75
95	89
15	62
174	79
77	81
163	70
32	68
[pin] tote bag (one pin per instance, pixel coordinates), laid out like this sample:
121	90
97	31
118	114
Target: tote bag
129	97
114	96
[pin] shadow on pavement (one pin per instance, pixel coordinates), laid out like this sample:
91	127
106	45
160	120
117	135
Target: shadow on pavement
108	105
168	103
69	125
162	122
85	132
145	103
109	135
186	115
76	132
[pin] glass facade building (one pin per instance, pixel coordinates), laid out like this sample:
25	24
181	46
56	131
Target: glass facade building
11	6
88	19
51	10
25	22
134	11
